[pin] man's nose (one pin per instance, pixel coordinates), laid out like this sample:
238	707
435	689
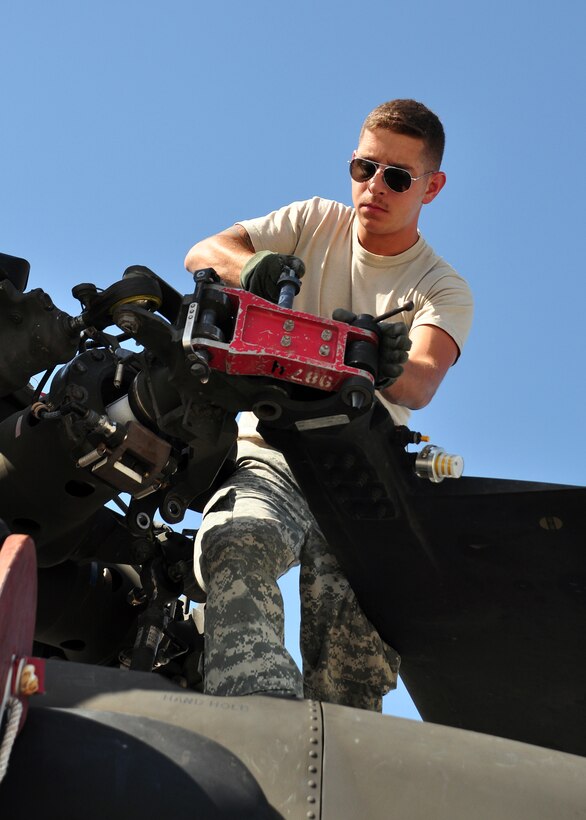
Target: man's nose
376	183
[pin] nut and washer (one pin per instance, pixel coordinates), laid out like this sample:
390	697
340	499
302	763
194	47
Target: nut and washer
286	341
127	321
143	520
288	325
324	350
326	335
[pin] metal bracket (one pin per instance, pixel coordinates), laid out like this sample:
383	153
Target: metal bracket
136	465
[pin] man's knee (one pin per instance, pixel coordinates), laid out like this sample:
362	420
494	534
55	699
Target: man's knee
249	545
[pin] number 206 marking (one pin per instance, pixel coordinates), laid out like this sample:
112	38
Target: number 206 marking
313	378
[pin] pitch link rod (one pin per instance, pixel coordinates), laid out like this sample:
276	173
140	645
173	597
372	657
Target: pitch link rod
406	307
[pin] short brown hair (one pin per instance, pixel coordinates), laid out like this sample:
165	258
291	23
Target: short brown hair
412	118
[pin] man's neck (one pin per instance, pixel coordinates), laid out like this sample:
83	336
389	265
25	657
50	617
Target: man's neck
387	244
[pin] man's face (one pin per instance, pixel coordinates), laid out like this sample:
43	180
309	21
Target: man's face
387	219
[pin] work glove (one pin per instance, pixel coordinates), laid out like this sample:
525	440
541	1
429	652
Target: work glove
393	347
262	271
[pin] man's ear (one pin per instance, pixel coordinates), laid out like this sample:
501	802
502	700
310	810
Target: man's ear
434	186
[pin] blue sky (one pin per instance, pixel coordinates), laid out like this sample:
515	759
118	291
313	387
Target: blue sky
132	129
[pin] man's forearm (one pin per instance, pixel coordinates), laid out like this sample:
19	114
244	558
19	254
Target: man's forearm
226	252
415	387
432	354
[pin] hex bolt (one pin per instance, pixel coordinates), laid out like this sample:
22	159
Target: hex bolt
288	325
128	322
76	392
286	341
324	350
326	335
199	370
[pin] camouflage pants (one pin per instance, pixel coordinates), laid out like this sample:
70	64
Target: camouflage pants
255	528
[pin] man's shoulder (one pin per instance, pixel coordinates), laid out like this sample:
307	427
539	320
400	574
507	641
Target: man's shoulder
305	212
322	207
434	267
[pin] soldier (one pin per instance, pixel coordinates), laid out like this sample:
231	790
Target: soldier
366	259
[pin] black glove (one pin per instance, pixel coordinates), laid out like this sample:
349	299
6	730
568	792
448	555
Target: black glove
393	347
262	271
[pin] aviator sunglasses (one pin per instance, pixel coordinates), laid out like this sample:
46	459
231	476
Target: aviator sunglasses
397	179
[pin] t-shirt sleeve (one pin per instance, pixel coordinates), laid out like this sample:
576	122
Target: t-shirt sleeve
449	305
278	231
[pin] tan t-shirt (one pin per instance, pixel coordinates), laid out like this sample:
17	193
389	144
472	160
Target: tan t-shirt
340	273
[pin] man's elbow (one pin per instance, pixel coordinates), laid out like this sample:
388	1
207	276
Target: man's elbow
421	397
413	393
418	402
191	260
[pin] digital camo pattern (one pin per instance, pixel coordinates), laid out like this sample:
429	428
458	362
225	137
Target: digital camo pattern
345	660
254	529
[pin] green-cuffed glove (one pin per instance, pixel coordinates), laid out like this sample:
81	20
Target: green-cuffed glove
262	271
393	348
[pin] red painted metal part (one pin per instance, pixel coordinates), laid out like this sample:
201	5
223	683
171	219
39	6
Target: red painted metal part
18	604
285	344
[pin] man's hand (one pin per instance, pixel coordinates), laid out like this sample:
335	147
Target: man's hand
393	348
393	352
262	271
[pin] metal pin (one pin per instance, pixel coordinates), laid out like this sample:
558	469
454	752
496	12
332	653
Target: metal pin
118	375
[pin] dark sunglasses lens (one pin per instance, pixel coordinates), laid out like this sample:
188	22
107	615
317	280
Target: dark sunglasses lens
397	179
362	169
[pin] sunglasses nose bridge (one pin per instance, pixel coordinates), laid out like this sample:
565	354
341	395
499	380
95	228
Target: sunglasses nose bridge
378	178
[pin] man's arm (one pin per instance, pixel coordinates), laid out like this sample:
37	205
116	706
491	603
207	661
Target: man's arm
226	252
433	350
432	353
